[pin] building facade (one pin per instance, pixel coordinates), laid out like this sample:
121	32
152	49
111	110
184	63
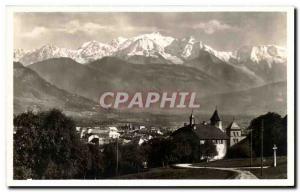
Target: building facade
235	133
213	131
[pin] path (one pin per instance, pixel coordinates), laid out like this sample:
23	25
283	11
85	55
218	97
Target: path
240	173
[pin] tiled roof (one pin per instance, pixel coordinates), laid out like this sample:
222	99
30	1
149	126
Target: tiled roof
207	131
203	132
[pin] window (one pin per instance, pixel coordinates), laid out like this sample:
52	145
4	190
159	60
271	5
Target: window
219	141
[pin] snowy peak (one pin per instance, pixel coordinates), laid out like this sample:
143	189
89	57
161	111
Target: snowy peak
269	53
147	45
89	51
50	50
18	54
189	40
95	45
156	37
189	48
93	50
141	46
155	45
224	56
45	52
115	43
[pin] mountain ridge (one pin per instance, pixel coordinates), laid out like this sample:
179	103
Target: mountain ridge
111	74
150	45
31	91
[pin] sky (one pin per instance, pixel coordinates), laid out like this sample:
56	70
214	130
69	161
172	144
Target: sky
221	30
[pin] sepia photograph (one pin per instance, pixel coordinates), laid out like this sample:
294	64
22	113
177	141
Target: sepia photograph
157	96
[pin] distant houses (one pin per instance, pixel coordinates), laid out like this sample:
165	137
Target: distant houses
212	131
95	135
125	134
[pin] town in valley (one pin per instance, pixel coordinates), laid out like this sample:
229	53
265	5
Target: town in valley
150	95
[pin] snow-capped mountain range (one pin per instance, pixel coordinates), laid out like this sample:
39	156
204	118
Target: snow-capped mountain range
162	49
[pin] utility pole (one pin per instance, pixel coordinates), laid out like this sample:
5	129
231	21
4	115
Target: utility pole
117	158
251	147
262	147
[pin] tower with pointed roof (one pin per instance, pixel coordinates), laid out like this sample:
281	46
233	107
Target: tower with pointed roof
216	121
234	132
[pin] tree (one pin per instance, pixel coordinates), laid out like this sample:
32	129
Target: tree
25	126
57	142
240	150
208	149
282	143
110	159
94	166
275	132
131	158
156	152
184	147
47	146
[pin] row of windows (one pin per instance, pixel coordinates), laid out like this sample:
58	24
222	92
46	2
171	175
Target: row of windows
236	133
219	141
213	141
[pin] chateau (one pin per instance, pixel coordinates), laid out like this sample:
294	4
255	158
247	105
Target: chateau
214	131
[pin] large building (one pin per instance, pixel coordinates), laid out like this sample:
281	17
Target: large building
212	131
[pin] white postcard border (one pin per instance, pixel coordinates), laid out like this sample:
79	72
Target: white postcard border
142	183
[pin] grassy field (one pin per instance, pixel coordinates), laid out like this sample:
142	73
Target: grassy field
245	162
171	173
279	172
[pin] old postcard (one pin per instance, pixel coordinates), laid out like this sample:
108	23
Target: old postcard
150	96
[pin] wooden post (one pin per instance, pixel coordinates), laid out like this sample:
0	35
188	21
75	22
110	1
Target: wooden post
251	147
117	158
262	148
275	161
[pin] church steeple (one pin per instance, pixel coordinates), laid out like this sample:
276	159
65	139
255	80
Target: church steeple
192	119
215	117
215	120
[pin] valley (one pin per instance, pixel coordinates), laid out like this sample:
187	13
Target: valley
248	81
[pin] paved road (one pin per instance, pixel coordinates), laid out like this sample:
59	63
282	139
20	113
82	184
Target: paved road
240	173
